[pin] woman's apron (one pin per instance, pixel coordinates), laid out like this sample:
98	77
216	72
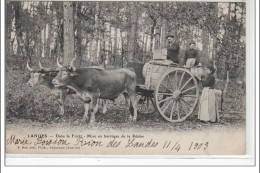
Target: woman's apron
209	104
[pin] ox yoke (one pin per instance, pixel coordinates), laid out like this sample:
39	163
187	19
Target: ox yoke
47	81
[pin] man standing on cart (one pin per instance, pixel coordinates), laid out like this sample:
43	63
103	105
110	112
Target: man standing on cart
173	49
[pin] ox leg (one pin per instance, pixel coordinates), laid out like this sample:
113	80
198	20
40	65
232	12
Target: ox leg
86	107
131	90
93	109
128	103
61	103
104	110
133	105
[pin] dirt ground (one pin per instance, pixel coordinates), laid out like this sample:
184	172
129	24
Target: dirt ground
36	106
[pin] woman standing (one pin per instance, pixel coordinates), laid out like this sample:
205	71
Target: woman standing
210	98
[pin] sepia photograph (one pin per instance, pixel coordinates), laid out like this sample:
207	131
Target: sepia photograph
123	78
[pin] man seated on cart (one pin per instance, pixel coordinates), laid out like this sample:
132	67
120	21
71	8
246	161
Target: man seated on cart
191	57
173	49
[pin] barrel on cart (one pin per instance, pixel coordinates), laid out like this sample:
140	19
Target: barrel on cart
168	88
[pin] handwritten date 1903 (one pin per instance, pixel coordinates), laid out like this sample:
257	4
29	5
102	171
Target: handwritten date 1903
177	146
198	146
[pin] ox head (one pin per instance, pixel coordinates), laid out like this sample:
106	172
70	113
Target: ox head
38	76
65	74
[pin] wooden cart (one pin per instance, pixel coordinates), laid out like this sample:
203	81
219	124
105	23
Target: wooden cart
168	88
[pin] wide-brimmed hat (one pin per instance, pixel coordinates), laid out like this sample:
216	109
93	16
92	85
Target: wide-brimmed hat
192	42
170	36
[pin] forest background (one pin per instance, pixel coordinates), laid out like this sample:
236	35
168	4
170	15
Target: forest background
117	33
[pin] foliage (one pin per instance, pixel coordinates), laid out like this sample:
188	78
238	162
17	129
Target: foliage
220	24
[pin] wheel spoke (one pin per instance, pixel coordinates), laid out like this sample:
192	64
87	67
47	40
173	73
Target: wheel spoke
166	87
140	98
167	94
174	102
183	110
164	109
185	84
188	89
170	81
140	107
189	96
183	73
178	111
186	102
176	78
152	102
165	100
147	104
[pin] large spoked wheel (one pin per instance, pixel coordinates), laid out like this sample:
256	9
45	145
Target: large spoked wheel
176	95
145	104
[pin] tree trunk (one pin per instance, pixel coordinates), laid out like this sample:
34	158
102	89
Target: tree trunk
68	32
102	49
48	40
132	35
96	37
115	45
90	49
157	35
214	51
135	32
129	33
110	41
163	33
214	55
9	18
79	37
205	43
48	34
115	38
152	35
122	50
145	45
18	32
86	48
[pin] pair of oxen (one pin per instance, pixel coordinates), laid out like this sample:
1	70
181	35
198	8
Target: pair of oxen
90	84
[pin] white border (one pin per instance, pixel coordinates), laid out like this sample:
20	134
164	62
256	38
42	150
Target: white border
160	160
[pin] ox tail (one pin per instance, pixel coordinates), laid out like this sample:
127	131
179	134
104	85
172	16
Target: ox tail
131	109
128	103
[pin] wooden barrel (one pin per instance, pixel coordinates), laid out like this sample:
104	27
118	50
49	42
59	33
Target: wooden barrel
153	70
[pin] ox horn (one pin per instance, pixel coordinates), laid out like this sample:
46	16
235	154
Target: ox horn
58	63
40	65
28	67
72	65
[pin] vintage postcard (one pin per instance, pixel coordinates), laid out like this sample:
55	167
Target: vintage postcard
127	78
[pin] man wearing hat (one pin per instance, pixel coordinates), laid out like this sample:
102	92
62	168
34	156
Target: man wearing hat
191	57
172	49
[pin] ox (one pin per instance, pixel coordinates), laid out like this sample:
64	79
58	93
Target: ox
44	76
90	84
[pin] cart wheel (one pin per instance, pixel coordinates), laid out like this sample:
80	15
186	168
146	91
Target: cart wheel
176	95
146	105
